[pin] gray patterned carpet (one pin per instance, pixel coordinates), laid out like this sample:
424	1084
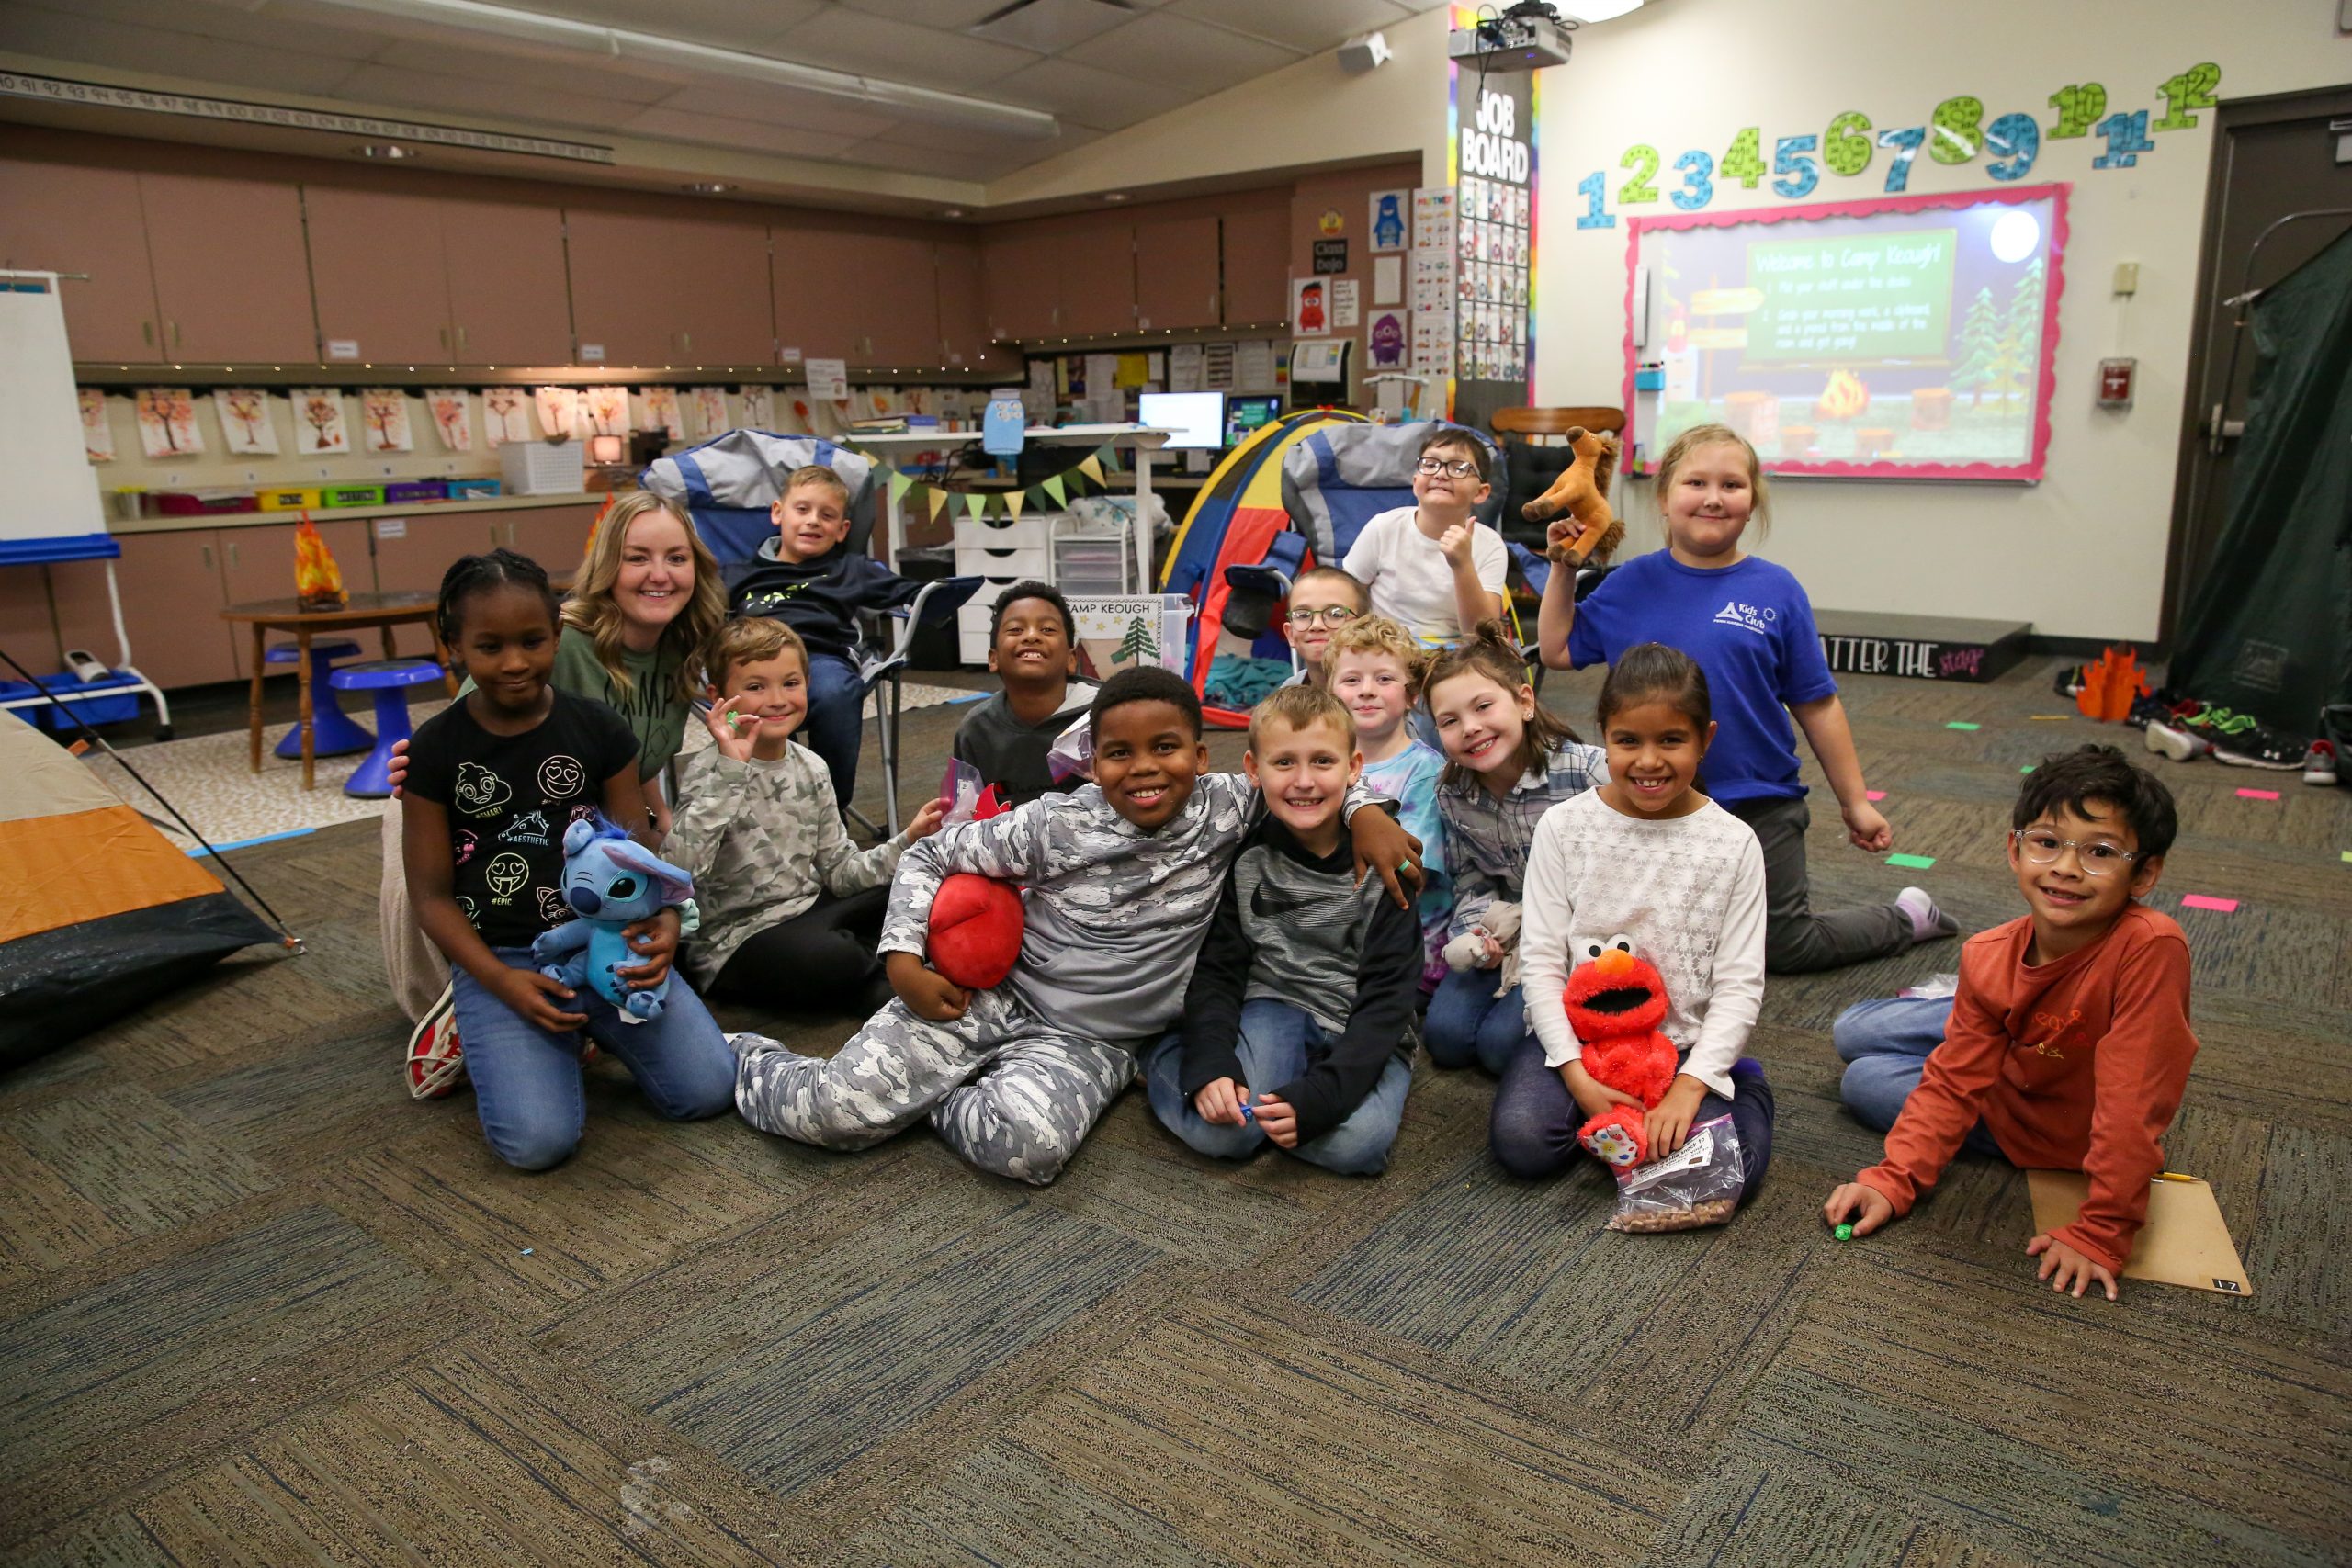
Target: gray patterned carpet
257	1306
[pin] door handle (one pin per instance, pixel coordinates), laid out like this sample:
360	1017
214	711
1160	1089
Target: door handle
2218	430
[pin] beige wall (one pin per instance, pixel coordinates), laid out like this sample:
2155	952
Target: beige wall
1685	74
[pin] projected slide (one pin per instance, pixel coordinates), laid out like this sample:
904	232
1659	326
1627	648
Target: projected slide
1910	337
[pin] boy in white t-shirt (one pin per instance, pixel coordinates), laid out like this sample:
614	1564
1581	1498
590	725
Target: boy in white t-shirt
1430	565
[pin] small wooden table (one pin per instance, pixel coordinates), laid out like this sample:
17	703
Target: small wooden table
383	611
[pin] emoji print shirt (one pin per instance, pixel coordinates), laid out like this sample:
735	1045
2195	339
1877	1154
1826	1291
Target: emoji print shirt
509	799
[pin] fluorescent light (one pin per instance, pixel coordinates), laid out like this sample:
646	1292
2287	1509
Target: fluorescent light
624	43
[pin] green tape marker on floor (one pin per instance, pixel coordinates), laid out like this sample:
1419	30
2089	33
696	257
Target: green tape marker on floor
1962	724
2347	856
1912	862
2029	767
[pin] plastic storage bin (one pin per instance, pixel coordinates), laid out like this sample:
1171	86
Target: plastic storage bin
94	702
472	489
544	467
202	502
410	491
290	498
354	495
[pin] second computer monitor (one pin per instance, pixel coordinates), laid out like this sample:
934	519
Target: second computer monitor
1246	413
1197	419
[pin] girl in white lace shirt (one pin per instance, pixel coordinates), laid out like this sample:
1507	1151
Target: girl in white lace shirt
1646	857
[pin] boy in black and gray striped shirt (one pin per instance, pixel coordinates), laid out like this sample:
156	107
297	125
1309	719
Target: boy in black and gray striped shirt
1298	1021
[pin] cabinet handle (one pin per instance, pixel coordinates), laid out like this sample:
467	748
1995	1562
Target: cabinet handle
233	554
461	337
687	342
207	550
147	333
175	335
445	337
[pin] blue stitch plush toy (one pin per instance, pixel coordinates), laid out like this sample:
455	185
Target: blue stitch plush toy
610	881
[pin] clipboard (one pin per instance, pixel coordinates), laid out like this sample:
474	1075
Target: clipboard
2186	1241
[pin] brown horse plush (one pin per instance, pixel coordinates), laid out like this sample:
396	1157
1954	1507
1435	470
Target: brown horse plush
1581	491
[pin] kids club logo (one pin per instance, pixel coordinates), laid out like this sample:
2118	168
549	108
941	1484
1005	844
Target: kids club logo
1734	613
506	873
561	777
480	792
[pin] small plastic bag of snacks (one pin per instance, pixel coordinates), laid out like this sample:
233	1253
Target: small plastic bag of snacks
1072	753
1697	1185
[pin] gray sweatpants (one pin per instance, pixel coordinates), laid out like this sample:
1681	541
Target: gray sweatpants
1011	1093
1797	941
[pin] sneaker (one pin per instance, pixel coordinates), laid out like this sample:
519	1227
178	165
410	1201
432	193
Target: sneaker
2319	764
2169	740
436	1064
2069	680
2244	741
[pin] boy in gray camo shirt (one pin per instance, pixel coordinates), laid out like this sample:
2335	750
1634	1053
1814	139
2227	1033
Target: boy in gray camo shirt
1121	878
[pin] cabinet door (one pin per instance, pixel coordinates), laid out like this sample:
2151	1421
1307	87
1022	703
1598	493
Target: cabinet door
813	290
233	278
377	272
555	536
1176	274
897	301
412	558
1023	275
171	606
507	301
963	320
27	631
719	281
54	217
1098	278
625	285
1257	268
257	562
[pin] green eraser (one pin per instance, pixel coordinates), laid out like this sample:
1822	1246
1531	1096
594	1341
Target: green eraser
1962	724
1844	1232
1912	862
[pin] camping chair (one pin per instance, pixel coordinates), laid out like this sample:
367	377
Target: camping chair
1532	461
727	485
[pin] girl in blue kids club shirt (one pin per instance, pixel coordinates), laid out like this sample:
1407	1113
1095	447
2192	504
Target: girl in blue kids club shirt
1749	625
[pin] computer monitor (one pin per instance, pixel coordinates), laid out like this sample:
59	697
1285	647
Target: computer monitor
1197	418
1249	411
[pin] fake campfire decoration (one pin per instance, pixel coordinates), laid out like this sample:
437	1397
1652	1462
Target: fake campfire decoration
1845	398
2110	683
318	583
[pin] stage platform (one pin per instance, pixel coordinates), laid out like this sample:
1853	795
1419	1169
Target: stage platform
1924	647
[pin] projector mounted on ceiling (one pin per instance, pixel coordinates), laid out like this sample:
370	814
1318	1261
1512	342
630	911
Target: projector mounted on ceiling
1528	37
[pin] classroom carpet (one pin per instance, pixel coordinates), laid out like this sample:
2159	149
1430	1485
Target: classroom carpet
258	1307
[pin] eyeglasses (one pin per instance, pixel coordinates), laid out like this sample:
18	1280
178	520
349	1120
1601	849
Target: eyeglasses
1330	615
2042	847
1460	467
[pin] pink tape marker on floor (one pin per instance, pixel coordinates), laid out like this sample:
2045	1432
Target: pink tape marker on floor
2219	905
1875	794
2258	794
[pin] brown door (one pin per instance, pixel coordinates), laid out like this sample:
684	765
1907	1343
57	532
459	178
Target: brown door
1257	267
963	322
231	277
1098	273
56	218
257	562
897	294
625	285
1023	277
171	604
720	280
1176	274
509	303
376	270
813	290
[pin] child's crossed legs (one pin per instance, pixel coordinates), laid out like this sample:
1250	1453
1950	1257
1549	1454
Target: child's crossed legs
1010	1093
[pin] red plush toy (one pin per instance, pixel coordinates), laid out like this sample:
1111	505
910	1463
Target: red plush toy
976	921
1615	1003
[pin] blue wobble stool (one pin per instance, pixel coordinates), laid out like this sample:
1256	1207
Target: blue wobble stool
389	680
333	733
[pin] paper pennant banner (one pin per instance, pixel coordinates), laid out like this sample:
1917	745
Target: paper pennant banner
1053	487
1092	468
1014	500
934	498
900	485
975	503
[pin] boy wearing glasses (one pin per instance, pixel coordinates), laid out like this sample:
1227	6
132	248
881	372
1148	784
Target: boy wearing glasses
1322	600
1430	565
2067	1047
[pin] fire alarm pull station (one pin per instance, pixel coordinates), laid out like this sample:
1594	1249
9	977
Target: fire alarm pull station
2115	378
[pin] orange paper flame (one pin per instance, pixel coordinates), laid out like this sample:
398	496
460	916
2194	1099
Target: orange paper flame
317	580
1845	398
2110	683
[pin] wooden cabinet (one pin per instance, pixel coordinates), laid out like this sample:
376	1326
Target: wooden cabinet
718	282
555	536
507	301
1098	280
1022	275
963	317
668	291
27	631
811	286
233	279
171	599
412	558
257	562
897	296
1176	274
56	218
1257	267
377	274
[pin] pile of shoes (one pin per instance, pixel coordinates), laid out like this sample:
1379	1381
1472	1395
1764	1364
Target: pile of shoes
2185	728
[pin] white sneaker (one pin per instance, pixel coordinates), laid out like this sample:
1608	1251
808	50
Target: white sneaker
2319	764
435	1063
2176	743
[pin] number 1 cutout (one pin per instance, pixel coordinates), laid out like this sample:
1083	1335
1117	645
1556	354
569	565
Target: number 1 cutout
2127	137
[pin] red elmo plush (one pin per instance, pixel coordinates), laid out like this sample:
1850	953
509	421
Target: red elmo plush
1615	1003
976	922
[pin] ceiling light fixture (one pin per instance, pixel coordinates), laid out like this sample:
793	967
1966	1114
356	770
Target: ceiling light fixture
1114	196
389	151
626	44
705	188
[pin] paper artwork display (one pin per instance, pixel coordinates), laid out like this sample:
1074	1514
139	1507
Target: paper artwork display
1389	210
1386	340
828	380
661	412
167	423
607	410
759	408
505	415
98	436
383	413
246	429
1388	280
1345	310
1310	307
1117	632
708	406
318	421
558	411
452	418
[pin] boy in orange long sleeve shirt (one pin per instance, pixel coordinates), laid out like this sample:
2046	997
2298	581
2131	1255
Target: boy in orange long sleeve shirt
2067	1047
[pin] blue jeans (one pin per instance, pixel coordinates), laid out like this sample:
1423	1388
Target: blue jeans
1468	1022
1277	1039
1533	1128
1885	1044
836	719
527	1080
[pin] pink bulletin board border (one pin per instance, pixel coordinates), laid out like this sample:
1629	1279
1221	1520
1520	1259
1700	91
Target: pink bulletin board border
2029	471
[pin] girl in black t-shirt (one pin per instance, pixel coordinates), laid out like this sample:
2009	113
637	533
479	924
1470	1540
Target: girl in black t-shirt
494	781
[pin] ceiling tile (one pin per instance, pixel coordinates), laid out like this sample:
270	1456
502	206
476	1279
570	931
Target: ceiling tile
1310	25
549	73
1181	53
124	47
349	38
793	106
729	24
1051	25
956	139
1084	96
717	131
949	16
944	163
897	51
457	95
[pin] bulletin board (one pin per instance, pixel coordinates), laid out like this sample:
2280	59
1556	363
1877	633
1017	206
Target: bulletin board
1905	337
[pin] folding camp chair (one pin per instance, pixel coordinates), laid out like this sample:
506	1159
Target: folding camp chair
727	485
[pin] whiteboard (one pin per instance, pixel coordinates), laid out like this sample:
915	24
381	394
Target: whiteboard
50	491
